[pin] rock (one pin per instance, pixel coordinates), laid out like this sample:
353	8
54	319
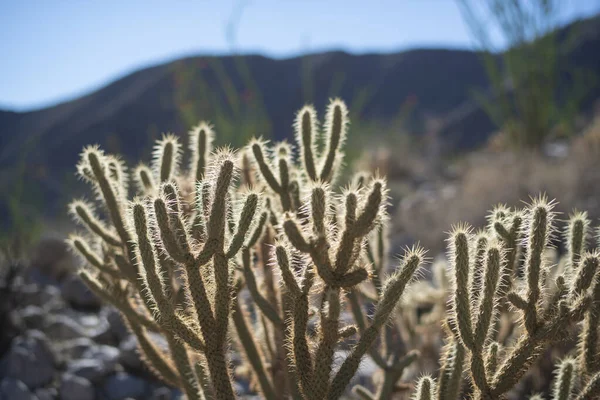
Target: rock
78	295
46	297
76	348
33	317
108	355
14	389
102	334
123	385
31	360
129	357
76	388
90	369
117	326
95	364
162	393
62	327
46	394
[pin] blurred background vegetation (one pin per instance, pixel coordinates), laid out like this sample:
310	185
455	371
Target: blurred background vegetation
454	130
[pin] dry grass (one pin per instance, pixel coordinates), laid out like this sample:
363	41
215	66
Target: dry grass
428	200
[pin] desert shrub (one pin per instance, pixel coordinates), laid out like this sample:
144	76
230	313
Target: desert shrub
269	266
487	177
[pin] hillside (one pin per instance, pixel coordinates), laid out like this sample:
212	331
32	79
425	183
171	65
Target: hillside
128	114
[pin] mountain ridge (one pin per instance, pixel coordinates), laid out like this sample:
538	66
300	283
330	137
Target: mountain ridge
128	114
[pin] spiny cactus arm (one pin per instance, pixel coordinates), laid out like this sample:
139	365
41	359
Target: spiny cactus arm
491	358
352	278
200	142
358	314
170	193
320	256
301	350
130	271
591	390
425	389
462	304
450	380
229	214
222	294
565	380
84	214
115	211
81	245
306	131
481	243
244	223
202	375
144	179
586	273
284	180
217	218
328	339
259	155
288	277
248	172
529	347
363	393
214	325
575	236
347	332
517	301
561	293
219	373
484	318
393	374
197	230
155	358
588	340
204	191
265	307
391	294
112	297
166	157
167	235
253	353
198	226
258	230
336	125
318	203
155	286
377	264
117	173
370	210
510	237
295	236
189	382
294	190
348	241
537	237
317	248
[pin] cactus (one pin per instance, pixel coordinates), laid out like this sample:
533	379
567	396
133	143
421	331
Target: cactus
269	265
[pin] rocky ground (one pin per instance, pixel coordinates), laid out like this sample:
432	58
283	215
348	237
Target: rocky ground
71	347
58	341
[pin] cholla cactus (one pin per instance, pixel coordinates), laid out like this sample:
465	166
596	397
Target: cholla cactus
270	265
175	259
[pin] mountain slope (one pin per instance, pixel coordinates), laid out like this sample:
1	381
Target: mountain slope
129	114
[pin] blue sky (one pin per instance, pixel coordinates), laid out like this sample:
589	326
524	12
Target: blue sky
56	50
